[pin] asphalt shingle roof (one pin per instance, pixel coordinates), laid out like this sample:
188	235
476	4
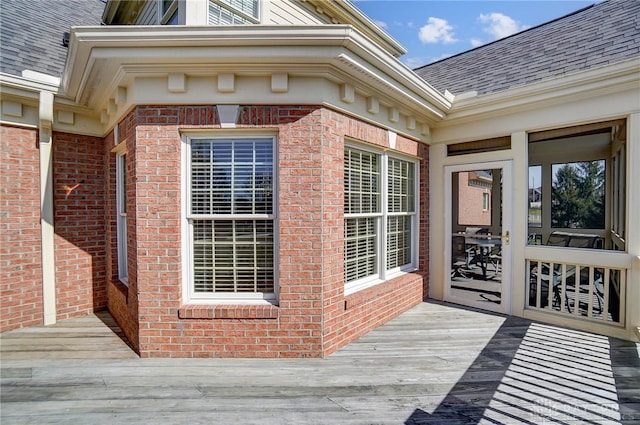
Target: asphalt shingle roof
31	32
602	34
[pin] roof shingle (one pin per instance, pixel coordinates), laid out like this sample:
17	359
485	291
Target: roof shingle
602	34
31	32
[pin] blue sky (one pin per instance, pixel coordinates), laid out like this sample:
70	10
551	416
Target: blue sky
432	30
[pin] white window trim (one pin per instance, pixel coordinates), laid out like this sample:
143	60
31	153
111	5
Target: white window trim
121	216
189	296
383	274
486	200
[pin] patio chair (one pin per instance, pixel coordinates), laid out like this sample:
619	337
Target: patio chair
471	231
495	258
461	258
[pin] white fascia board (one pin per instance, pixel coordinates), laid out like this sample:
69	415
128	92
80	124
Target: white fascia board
27	92
618	77
195	48
31	85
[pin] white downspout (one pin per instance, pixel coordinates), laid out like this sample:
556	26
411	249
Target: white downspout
46	209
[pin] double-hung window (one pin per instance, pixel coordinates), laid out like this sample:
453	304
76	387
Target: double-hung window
231	219
380	216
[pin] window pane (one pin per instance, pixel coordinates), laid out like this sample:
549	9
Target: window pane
360	248
250	7
535	196
361	182
233	256
400	182
578	195
398	241
231	177
228	12
166	4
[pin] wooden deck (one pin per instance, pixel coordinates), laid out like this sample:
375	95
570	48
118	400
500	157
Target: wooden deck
436	364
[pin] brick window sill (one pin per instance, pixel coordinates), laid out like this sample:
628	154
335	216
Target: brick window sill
224	311
121	287
366	295
382	289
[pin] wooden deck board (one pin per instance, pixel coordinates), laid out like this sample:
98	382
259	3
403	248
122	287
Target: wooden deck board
435	364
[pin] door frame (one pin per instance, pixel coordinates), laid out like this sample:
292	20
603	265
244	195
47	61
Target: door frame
506	166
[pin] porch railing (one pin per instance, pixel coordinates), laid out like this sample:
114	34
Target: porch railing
586	284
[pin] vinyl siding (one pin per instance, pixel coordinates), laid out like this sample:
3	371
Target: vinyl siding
149	14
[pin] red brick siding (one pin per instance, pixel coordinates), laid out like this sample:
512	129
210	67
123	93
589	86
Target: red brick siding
80	229
20	246
347	318
155	171
311	319
122	299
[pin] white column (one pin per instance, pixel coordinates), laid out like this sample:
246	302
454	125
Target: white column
633	224
46	209
519	147
437	199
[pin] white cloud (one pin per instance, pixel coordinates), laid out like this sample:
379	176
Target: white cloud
414	62
499	25
419	61
437	31
475	42
438	58
381	24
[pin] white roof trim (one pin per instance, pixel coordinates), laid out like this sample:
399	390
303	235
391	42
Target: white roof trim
620	77
198	50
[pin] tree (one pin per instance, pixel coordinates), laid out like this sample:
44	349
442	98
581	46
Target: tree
578	195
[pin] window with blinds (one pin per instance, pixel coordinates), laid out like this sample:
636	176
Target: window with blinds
362	212
231	216
233	12
401	211
380	216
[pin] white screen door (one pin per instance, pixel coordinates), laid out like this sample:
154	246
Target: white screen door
478	233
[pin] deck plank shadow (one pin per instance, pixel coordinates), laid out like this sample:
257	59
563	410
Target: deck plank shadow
435	364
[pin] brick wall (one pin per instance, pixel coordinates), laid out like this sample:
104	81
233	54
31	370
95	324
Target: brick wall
313	317
349	317
122	299
20	247
470	202
80	230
